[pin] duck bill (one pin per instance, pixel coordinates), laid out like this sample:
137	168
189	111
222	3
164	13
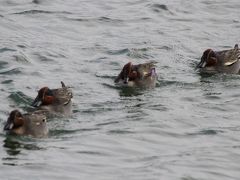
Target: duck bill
118	78
126	79
153	72
202	64
37	102
8	126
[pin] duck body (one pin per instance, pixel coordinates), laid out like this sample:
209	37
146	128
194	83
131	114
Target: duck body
54	102
30	124
140	75
226	61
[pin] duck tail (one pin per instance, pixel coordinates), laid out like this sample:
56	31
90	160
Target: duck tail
63	85
236	46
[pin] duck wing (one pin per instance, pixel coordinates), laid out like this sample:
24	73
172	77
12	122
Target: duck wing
231	56
62	95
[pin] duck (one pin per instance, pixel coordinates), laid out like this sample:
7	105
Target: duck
225	61
140	75
29	124
54	102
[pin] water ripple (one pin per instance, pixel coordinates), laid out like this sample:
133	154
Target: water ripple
120	132
206	132
159	7
12	71
20	98
21	58
6	49
33	12
118	52
186	128
2	64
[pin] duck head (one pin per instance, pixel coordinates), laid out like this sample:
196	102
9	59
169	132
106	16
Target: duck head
14	121
208	59
45	97
146	70
27	124
128	73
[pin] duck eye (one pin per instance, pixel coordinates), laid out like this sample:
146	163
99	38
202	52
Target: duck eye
44	120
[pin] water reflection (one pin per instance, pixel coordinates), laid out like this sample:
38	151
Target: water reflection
126	90
14	145
129	91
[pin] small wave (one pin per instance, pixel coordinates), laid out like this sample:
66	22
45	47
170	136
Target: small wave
107	123
159	7
107	19
183	20
59	133
168	48
56	55
36	1
7	81
14	144
41	12
79	19
92	153
129	91
21	58
167	82
21	46
44	58
188	178
118	131
97	110
102	19
6	49
209	132
206	132
140	53
2	64
12	71
34	12
158	107
20	98
118	52
105	76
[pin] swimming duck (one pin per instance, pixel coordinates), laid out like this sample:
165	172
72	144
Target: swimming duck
54	101
33	124
140	75
226	61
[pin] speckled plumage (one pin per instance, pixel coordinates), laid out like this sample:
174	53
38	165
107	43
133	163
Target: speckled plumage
140	75
226	61
32	124
54	102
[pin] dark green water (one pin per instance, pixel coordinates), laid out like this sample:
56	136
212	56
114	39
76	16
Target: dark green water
187	128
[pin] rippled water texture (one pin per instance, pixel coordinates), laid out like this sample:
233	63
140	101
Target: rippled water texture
187	128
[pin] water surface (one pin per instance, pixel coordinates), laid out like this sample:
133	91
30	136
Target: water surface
187	128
